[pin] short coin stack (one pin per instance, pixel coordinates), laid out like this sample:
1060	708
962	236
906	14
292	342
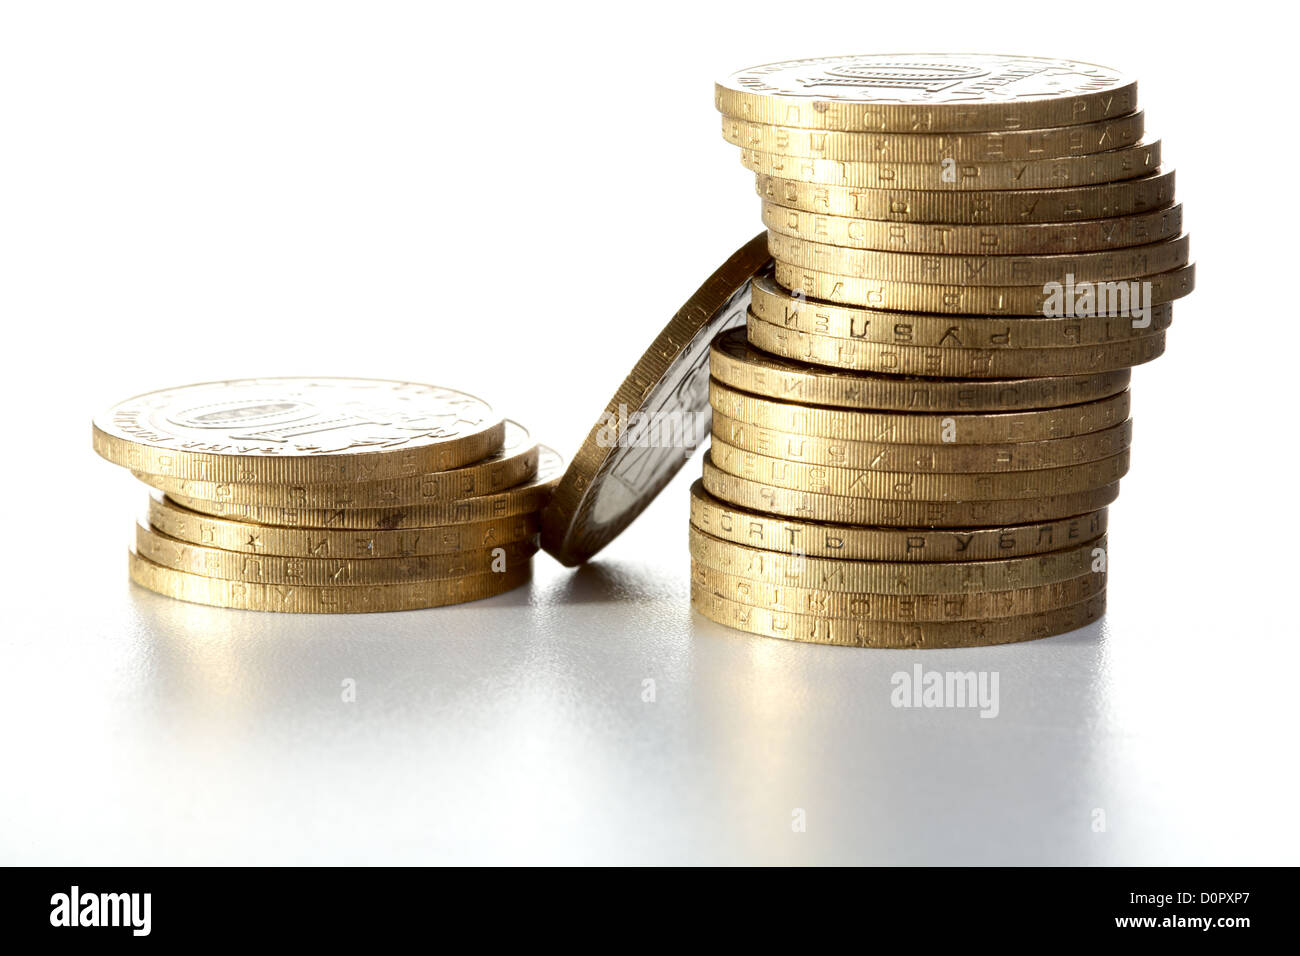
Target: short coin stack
328	494
916	437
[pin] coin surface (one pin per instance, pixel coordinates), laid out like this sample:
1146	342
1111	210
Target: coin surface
523	499
1082	139
985	238
840	509
252	538
1061	204
653	423
822	539
912	428
512	465
823	602
291	430
817	451
737	364
1127	162
971	363
920	634
926	92
293	598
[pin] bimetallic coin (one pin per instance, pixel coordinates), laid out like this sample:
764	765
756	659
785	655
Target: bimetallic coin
822	539
512	465
917	635
873	147
654	421
1097	201
984	239
524	499
292	430
1060	297
738	365
294	598
252	538
922	459
895	577
914	428
839	509
1127	162
995	363
926	93
857	606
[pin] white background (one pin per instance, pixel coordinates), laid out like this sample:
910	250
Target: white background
512	199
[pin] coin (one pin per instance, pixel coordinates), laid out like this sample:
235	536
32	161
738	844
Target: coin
851	633
1120	298
328	572
291	430
293	598
820	602
894	577
982	270
512	465
914	428
1127	162
996	363
1001	146
524	499
252	538
912	486
626	461
926	92
738	365
1060	204
1021	238
922	459
807	506
776	306
821	539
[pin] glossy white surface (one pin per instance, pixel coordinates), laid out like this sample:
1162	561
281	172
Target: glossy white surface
284	189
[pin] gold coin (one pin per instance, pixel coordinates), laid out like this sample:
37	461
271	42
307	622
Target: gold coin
524	499
819	602
874	147
293	598
737	364
292	430
980	270
1127	162
324	572
821	539
1124	297
775	306
251	538
913	428
920	634
895	577
1082	235
1097	201
910	486
926	93
923	459
654	421
807	506
995	363
512	465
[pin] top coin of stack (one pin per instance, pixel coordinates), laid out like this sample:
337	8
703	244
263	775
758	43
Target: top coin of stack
956	238
328	494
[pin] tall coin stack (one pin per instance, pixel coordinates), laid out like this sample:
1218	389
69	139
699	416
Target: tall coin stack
328	495
917	434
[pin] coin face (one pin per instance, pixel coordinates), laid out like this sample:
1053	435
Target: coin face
298	429
654	422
